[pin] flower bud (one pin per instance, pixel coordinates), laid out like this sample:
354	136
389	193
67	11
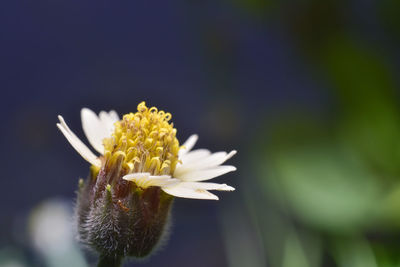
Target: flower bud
116	218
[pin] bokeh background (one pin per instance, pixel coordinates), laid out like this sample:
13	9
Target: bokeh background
306	91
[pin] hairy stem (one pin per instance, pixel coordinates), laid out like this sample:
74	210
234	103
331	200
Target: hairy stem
109	261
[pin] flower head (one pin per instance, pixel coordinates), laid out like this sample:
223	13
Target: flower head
123	206
145	145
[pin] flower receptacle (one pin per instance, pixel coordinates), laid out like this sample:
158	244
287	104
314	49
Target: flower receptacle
118	219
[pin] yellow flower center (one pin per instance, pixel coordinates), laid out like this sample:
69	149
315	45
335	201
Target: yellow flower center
145	141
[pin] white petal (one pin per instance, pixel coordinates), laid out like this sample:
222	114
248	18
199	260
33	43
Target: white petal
189	144
180	191
76	143
215	159
94	129
207	186
136	175
162	180
144	179
210	161
194	155
202	175
113	115
138	178
108	119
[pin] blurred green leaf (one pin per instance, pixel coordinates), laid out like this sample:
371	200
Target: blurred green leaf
368	107
301	249
294	255
389	208
353	253
325	187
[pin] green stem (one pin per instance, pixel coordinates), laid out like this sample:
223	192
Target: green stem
109	261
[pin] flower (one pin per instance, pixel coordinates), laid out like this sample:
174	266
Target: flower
145	147
123	206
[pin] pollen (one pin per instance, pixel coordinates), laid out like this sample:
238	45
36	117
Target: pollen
144	141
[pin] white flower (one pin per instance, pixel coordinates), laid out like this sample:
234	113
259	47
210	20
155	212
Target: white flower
187	180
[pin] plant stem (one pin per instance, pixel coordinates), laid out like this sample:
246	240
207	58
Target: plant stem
109	261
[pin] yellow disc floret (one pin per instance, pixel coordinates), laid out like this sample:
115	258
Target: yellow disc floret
145	141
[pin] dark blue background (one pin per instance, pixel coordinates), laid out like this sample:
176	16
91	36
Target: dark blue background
218	67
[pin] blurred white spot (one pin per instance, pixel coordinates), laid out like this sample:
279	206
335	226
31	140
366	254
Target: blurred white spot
51	231
50	227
